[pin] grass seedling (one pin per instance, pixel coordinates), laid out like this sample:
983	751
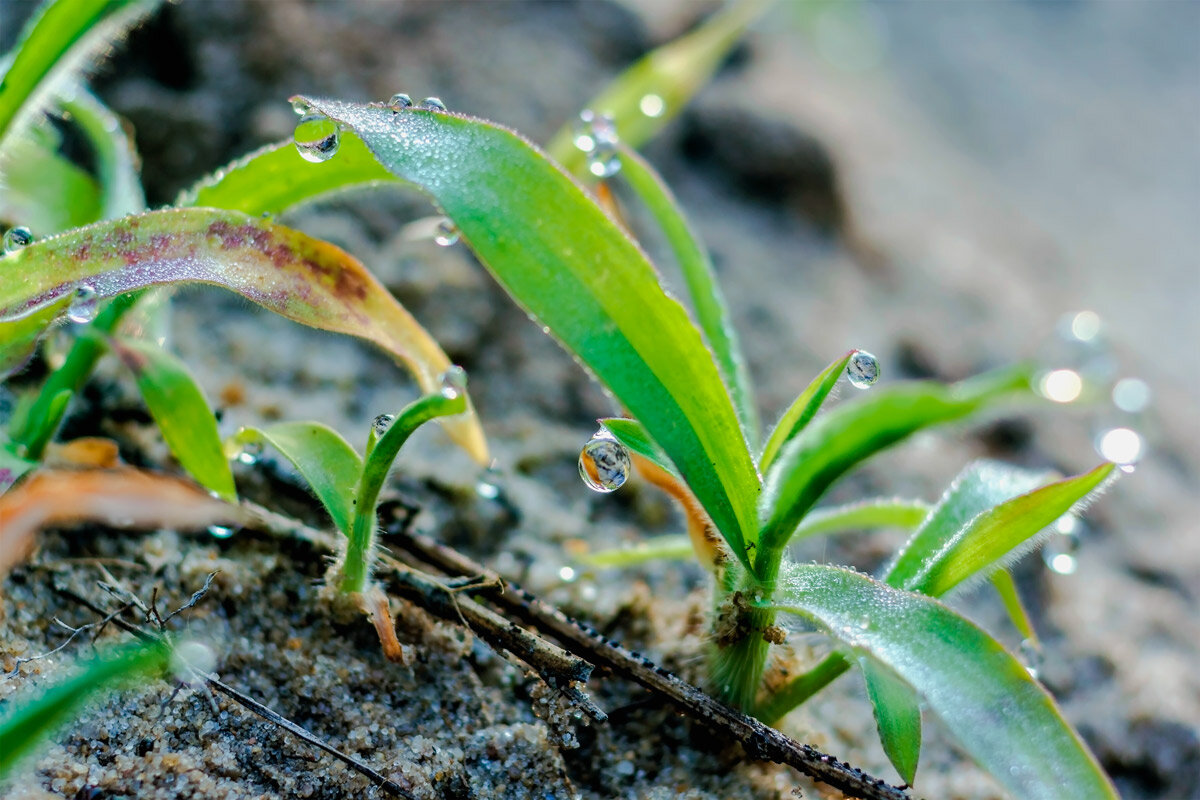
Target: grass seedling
689	420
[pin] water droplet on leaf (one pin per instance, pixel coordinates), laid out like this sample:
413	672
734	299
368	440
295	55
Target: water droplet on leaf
1059	552
381	424
220	531
317	138
652	105
400	100
862	369
250	453
1122	446
83	307
488	486
433	104
445	234
17	238
454	382
596	135
1031	656
604	463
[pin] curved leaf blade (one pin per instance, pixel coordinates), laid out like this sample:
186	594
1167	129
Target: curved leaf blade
275	179
878	513
19	334
113	149
181	413
802	410
298	277
1003	718
672	73
995	534
326	461
979	487
837	441
44	191
712	312
573	268
897	715
60	38
671	547
29	722
634	436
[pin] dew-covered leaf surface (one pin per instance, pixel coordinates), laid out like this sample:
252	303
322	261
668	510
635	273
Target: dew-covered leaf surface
577	273
301	278
1002	717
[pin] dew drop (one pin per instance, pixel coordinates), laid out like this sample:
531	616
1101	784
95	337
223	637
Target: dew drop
487	486
1060	385
566	574
17	238
1031	656
1122	446
220	531
1131	395
400	100
250	453
83	307
433	104
862	369
454	382
652	105
317	138
445	234
190	660
604	463
381	424
596	135
1059	552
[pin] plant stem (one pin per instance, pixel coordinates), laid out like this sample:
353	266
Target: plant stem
356	567
801	688
41	422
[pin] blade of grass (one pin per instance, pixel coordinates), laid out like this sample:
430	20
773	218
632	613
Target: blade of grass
897	716
1006	587
837	441
113	149
275	179
878	513
802	410
1007	722
573	269
44	191
327	461
672	547
29	722
712	312
19	334
285	271
633	435
181	413
61	38
997	533
980	486
650	93
12	466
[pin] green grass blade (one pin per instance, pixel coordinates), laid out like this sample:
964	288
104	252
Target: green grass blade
12	466
1006	721
633	435
327	461
301	278
672	547
672	73
181	414
575	271
29	722
44	191
712	313
994	535
116	157
19	334
1006	587
275	179
878	513
62	37
356	568
802	410
837	441
979	487
897	715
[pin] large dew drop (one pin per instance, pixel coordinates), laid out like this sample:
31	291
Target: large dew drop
454	382
83	307
1122	446
604	463
1059	552
862	369
317	138
400	100
445	234
381	424
596	135
433	104
16	239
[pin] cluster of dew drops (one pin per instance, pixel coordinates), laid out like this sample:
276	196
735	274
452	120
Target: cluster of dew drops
84	304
